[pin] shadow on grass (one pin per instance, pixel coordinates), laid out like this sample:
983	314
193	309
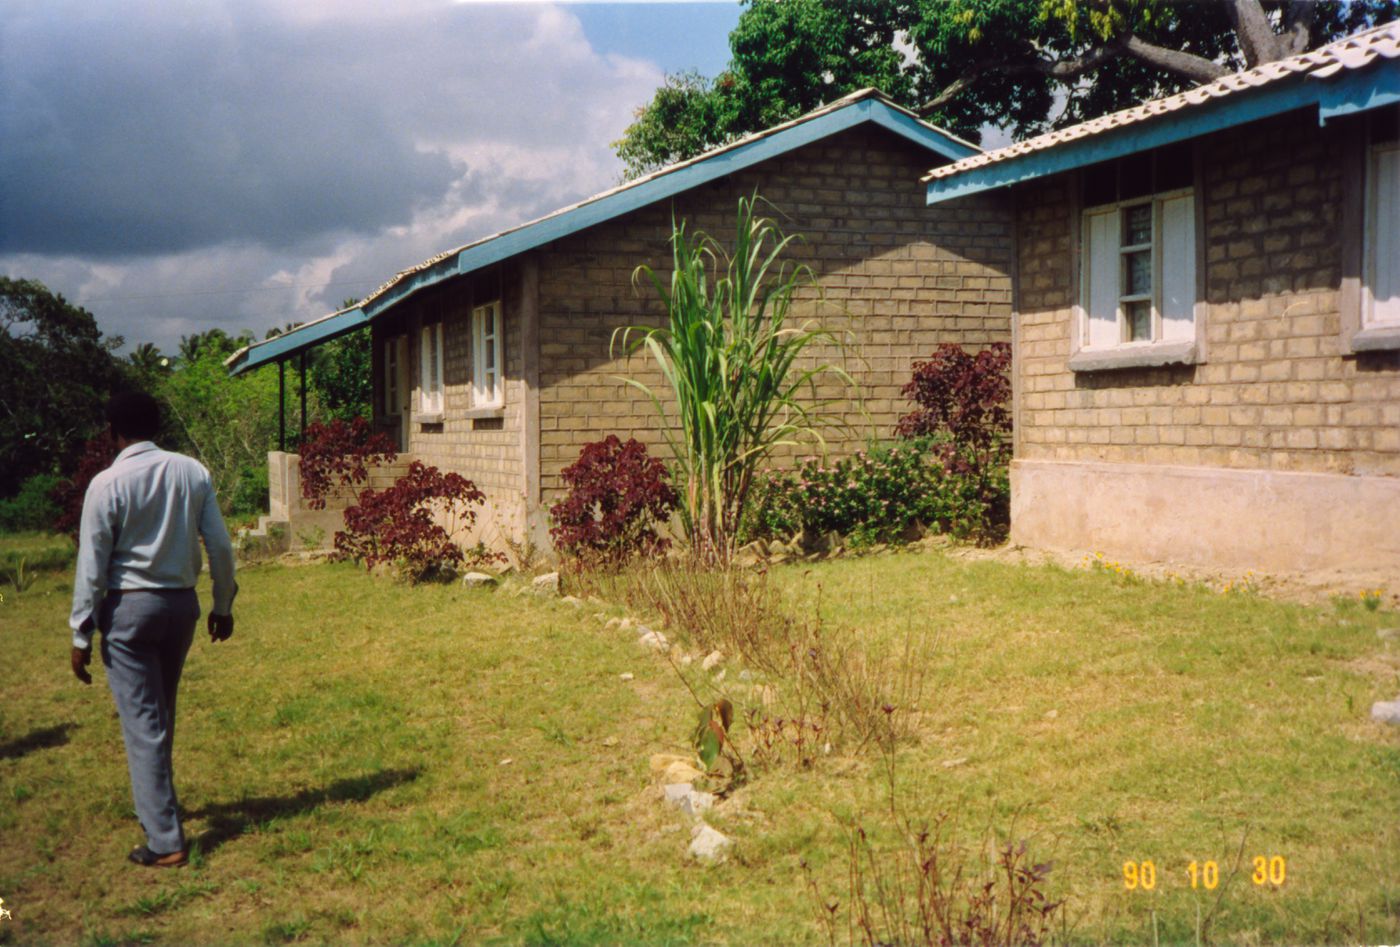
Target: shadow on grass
45	738
228	820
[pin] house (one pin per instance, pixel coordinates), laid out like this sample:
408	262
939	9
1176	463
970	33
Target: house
1207	319
497	360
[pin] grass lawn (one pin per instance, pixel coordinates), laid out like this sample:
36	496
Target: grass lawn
366	761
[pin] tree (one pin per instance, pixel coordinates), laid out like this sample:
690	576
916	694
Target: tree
1024	65
56	373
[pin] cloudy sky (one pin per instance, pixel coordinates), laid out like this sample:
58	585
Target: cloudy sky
175	165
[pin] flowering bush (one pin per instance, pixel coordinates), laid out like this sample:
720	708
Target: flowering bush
618	493
340	454
98	454
873	496
396	525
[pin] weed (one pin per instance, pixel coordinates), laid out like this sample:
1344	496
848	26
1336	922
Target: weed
1371	599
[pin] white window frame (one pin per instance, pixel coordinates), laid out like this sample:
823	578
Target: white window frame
488	387
430	370
1172	340
1382	234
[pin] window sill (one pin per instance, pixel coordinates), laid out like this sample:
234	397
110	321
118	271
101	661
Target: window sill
1376	339
428	418
499	411
1134	356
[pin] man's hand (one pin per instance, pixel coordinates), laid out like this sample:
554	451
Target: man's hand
82	657
220	627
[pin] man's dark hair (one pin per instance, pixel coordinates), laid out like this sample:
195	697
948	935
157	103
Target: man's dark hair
134	415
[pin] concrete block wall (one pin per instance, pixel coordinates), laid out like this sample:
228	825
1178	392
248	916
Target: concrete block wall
896	278
1275	391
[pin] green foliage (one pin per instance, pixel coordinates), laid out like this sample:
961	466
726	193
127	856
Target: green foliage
341	374
879	495
729	357
228	423
32	508
1016	64
56	373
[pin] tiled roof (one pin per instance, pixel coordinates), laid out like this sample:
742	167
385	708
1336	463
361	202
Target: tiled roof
1353	52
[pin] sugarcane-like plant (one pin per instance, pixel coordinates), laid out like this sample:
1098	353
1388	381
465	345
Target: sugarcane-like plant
730	359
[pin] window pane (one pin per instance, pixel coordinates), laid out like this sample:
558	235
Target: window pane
1137	225
1139	316
1139	273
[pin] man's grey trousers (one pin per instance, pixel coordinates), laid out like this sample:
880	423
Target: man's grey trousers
145	637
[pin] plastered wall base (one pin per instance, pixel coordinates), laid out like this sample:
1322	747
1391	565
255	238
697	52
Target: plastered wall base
1269	521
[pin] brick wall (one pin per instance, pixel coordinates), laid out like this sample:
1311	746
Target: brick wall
896	276
1274	391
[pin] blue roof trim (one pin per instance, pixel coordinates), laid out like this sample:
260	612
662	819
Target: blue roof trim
297	340
1341	98
659	188
1352	92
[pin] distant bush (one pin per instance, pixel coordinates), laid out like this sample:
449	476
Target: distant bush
98	454
32	508
396	525
340	454
618	495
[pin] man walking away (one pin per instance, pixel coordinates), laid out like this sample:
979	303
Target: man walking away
138	558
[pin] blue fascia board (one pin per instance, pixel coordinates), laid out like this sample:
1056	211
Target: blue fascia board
625	201
299	339
1342	98
1345	93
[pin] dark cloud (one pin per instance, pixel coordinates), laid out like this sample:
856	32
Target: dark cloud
131	131
176	166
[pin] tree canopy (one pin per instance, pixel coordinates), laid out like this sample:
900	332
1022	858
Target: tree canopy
1024	65
56	373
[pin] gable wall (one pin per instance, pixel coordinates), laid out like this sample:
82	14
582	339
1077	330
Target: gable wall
898	276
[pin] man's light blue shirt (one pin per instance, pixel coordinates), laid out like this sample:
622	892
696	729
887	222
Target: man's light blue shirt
142	517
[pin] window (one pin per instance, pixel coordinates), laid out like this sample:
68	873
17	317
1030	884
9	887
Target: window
430	370
395	357
1381	301
1138	285
1140	278
487	390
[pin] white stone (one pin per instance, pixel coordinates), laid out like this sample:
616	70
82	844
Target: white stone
654	640
625	675
479	580
696	802
708	844
547	584
572	601
1386	711
680	772
676	794
712	660
1388	634
1051	714
613	623
949	764
687	660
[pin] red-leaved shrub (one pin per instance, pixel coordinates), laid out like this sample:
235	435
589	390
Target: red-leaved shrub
396	525
618	493
98	454
339	454
963	396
